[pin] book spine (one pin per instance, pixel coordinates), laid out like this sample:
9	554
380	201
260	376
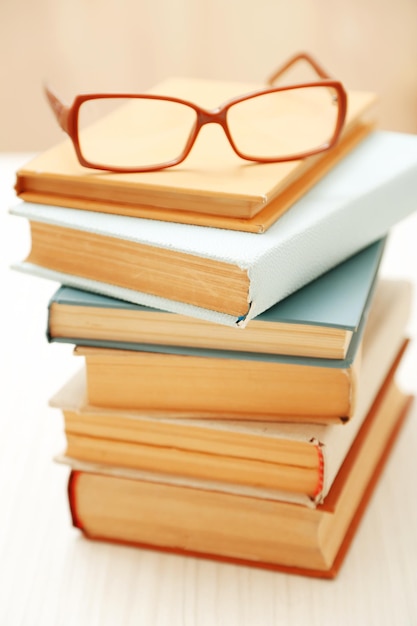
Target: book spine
72	498
320	473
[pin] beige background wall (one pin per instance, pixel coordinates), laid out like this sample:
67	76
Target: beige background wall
101	45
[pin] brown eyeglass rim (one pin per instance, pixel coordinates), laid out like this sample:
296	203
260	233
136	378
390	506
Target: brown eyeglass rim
67	116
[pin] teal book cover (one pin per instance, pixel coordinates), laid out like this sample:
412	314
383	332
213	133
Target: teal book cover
339	299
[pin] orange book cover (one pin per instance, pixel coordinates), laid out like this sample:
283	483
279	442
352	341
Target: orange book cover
212	187
210	524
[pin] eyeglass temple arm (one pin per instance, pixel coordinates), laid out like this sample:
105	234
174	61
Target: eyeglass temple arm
301	56
59	108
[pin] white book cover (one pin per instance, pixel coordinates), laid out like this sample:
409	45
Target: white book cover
358	202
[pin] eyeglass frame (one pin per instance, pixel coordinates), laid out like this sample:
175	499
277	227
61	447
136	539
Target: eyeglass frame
67	116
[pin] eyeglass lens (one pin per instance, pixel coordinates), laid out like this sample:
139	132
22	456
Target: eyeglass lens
133	132
283	123
143	132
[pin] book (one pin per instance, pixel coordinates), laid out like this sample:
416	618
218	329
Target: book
248	386
120	506
212	187
227	276
294	461
316	321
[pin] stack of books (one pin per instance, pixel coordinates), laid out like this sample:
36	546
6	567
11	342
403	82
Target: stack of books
237	396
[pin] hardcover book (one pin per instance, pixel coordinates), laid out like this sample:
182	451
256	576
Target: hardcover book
295	462
228	276
316	321
112	504
248	386
212	187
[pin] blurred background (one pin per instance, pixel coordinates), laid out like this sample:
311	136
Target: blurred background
129	45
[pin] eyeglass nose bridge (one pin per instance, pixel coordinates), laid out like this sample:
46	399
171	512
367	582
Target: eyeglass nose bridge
213	116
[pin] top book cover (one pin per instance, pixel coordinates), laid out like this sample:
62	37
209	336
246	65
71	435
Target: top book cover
213	186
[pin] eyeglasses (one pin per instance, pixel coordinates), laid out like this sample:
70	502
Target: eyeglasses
147	132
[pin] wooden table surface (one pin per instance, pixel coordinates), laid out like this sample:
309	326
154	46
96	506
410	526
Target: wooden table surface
51	576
